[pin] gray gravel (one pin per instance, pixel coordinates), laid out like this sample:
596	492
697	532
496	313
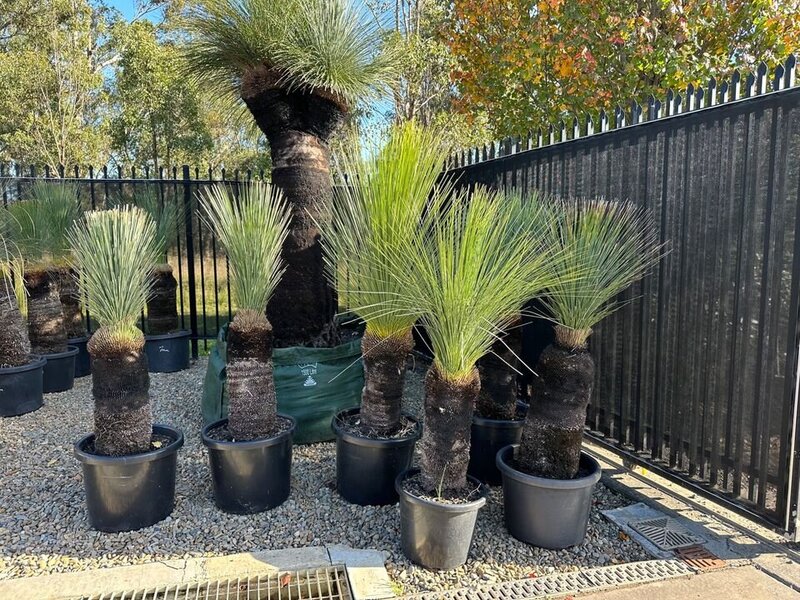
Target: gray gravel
44	529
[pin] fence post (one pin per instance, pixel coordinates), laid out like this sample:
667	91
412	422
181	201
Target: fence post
188	214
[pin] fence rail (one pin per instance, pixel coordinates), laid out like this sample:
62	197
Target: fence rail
697	374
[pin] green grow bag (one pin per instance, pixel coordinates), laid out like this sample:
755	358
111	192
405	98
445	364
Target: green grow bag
312	385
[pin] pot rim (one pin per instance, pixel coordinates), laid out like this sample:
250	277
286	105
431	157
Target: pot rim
174	335
545	482
131	459
77	340
359	440
440	506
70	351
37	362
246	444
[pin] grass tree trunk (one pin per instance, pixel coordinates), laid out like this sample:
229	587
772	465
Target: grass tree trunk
298	126
15	348
162	308
384	377
123	421
45	318
446	435
498	395
71	304
252	405
553	430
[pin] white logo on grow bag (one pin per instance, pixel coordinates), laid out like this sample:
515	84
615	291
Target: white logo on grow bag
308	371
163	349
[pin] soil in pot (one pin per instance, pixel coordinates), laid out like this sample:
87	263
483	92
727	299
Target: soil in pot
367	463
436	532
124	493
21	388
250	476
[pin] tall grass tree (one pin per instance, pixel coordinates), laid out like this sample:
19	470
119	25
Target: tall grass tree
299	66
252	229
39	226
114	251
602	248
377	215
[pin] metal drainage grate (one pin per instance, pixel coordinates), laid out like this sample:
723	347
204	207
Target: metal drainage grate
329	583
666	533
700	558
561	584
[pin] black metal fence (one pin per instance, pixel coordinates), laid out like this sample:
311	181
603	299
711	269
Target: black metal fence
697	375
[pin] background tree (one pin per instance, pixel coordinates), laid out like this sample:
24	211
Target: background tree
528	64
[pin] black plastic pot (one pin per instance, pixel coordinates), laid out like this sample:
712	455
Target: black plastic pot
366	467
251	476
549	513
83	362
124	493
433	534
21	388
168	352
488	437
59	370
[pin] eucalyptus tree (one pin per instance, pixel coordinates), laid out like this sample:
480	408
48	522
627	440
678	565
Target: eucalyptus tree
601	248
299	66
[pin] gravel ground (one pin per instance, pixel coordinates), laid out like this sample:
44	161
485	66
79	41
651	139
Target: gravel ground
44	529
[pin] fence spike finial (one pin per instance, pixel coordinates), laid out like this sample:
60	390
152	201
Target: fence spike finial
589	124
689	100
761	76
791	69
734	88
750	86
576	128
711	97
778	80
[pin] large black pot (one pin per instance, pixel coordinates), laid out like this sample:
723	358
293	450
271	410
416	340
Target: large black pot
366	467
168	352
433	534
83	362
21	388
124	493
59	370
251	476
549	513
488	437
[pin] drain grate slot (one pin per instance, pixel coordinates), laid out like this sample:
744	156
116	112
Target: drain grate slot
329	583
666	533
698	557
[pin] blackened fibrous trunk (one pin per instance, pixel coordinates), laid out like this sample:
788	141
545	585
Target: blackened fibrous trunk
252	405
498	396
15	348
446	434
45	317
553	430
123	421
384	377
162	308
298	126
71	303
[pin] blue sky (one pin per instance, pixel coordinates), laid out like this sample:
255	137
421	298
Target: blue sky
126	7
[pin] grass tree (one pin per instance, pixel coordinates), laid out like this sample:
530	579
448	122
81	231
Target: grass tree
602	248
376	218
114	251
39	226
300	66
474	270
15	347
252	228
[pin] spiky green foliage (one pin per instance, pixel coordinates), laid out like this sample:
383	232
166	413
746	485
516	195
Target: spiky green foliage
39	223
604	247
12	269
114	250
165	213
476	266
377	217
252	228
330	45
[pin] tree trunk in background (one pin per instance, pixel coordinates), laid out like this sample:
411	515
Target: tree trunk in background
498	395
298	126
553	430
45	318
123	422
384	377
162	308
252	405
15	348
444	448
69	296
